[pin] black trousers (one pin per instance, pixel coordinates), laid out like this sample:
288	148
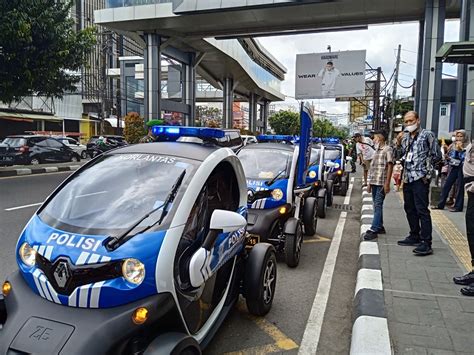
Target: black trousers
470	223
416	196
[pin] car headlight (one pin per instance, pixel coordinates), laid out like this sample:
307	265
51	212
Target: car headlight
312	174
337	165
133	271
27	254
277	194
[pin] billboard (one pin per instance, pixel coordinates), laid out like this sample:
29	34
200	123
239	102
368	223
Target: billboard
330	75
186	6
358	109
369	92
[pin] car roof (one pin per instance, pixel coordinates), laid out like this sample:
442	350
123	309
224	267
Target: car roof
177	149
276	146
28	136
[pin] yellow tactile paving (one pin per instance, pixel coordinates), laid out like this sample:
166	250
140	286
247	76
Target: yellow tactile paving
456	240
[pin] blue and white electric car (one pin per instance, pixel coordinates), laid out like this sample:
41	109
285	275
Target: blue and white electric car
339	170
317	177
279	200
143	250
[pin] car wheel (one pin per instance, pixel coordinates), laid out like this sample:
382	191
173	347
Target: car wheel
293	244
173	343
260	279
84	154
310	219
322	206
74	159
330	193
35	161
344	187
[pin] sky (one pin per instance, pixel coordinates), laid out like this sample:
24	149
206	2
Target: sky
380	42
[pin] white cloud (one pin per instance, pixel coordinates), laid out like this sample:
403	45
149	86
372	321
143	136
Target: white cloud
380	41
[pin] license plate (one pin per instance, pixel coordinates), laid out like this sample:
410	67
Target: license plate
41	336
252	240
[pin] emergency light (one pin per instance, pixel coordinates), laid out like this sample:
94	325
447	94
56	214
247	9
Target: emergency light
274	137
181	131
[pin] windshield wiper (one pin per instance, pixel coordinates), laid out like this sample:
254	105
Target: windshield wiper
268	183
113	242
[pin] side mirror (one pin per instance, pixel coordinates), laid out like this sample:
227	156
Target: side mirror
227	221
349	158
330	164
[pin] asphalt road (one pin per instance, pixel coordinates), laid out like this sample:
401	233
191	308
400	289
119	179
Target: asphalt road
281	331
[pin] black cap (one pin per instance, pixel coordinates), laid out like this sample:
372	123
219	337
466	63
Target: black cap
357	135
381	132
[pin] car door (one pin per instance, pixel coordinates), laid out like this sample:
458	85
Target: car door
58	151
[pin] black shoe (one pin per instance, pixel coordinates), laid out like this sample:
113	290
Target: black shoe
468	291
409	241
423	249
370	235
382	231
465	279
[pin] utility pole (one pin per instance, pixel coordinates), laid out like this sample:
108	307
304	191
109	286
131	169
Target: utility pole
394	95
377	99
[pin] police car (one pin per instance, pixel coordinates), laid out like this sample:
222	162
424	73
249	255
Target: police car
338	165
142	250
279	201
317	177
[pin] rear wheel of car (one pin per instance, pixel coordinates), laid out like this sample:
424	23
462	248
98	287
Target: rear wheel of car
260	279
330	193
293	244
322	206
84	154
74	159
35	161
310	219
344	187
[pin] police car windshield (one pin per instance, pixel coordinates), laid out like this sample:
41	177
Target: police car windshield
315	156
332	154
114	193
263	163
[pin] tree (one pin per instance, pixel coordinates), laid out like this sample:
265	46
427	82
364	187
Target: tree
134	127
285	122
208	116
40	53
324	128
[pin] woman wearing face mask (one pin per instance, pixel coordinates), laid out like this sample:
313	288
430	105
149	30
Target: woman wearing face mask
455	159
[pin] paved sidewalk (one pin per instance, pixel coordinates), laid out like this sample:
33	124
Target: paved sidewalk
426	312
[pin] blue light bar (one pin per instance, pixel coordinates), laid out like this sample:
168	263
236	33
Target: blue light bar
274	137
331	140
181	131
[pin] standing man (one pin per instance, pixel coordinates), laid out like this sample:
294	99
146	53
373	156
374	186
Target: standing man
365	151
468	170
420	153
380	174
328	76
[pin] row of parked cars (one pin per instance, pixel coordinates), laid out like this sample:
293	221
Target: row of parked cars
39	149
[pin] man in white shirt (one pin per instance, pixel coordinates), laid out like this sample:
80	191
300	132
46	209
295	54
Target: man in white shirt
365	152
329	75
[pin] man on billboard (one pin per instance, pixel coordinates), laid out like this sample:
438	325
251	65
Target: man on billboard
328	76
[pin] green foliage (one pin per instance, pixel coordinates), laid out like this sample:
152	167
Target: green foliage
285	122
401	107
324	128
134	127
39	48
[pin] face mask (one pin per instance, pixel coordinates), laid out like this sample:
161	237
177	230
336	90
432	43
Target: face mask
453	138
411	128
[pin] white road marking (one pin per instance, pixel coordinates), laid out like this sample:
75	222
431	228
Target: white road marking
310	341
369	278
24	206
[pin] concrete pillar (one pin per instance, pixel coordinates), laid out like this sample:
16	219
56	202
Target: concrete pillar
419	65
430	90
465	85
189	90
253	112
152	75
265	109
228	114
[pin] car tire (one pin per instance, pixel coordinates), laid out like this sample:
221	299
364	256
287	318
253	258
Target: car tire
330	193
293	244
344	187
174	344
260	279
310	218
75	159
322	204
84	154
35	161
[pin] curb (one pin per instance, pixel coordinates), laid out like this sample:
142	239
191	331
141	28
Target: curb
370	333
31	171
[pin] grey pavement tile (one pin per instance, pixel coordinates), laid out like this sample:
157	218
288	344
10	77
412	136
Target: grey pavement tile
449	289
421	286
467	304
462	323
400	284
420	336
440	352
435	274
417	311
449	306
418	275
462	341
410	350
